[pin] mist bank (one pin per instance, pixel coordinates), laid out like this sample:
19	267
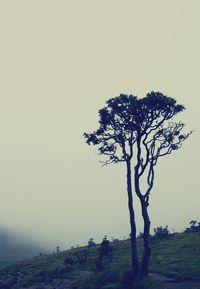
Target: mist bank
16	246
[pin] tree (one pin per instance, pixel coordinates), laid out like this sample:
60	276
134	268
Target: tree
138	132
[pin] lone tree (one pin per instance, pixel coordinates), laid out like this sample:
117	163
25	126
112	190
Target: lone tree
138	132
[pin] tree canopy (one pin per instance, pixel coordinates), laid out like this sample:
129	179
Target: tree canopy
127	119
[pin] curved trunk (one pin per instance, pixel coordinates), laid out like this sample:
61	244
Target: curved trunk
144	204
134	255
146	240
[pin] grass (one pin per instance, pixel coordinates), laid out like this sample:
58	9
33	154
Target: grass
177	257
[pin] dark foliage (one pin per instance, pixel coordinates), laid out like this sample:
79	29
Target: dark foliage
104	255
161	233
194	227
105	250
91	243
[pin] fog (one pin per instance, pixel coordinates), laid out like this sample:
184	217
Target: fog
60	62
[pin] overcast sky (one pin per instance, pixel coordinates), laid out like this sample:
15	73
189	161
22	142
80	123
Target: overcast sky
60	61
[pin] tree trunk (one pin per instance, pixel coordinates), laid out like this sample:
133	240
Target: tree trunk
134	256
146	237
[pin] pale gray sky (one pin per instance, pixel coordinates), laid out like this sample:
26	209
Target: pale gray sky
59	62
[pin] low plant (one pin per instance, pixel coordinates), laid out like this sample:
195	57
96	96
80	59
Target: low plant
161	233
194	227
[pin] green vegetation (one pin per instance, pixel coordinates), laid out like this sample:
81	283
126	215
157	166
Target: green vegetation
177	257
106	266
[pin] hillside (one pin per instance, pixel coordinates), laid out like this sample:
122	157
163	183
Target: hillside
82	268
16	248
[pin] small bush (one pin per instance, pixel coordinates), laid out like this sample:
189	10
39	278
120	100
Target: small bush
161	233
105	249
104	255
194	227
91	243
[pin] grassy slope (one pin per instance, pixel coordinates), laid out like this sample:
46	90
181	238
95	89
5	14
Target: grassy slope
178	257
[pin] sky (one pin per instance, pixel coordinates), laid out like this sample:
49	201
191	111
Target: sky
59	63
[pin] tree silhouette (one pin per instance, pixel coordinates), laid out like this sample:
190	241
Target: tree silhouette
138	132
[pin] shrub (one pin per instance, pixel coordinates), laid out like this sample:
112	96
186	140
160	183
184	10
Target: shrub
105	249
91	243
194	227
104	256
161	233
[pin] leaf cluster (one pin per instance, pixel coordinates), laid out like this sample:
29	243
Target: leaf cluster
126	121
